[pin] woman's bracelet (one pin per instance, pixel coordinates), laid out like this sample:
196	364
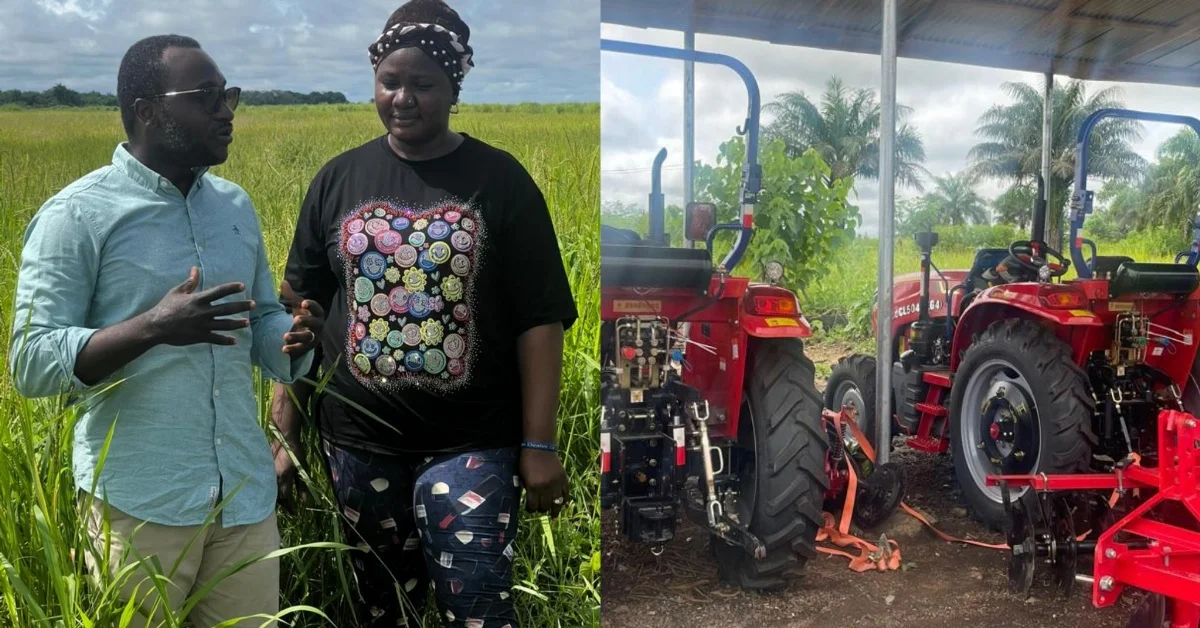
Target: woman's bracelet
536	445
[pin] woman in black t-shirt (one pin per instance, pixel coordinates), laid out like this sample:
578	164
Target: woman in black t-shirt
436	259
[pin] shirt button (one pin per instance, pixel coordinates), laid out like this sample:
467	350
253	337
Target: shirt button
200	248
218	441
216	392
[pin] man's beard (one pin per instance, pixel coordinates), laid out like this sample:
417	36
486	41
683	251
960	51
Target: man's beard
183	148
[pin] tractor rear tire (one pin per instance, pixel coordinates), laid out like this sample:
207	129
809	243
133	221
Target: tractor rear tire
783	481
1035	364
852	382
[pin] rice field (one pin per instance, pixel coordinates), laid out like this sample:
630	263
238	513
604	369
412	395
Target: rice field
43	581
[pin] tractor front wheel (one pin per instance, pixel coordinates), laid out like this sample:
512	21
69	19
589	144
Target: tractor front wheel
780	461
1019	405
852	383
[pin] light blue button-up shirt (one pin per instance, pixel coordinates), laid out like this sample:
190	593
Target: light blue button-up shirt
108	247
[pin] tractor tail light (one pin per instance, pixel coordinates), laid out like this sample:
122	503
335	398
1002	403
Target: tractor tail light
774	305
1063	300
680	447
605	452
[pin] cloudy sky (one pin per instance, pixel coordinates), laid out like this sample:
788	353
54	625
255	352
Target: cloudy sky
642	107
526	50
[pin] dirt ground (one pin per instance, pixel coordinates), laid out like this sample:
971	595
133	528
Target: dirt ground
942	585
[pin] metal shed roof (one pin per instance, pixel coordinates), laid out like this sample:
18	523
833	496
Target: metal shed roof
1148	41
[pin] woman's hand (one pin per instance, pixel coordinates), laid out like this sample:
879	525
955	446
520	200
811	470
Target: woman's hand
545	481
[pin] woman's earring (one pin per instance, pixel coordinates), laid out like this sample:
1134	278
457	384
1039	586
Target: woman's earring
454	108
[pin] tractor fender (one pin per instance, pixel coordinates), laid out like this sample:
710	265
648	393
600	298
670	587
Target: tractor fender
775	326
997	304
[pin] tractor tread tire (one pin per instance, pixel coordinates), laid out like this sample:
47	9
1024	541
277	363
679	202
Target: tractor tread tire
791	478
1065	407
858	369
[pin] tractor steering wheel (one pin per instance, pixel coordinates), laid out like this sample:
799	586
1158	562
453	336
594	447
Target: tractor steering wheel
1021	252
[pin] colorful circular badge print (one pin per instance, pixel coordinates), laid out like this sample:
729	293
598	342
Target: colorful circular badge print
462	241
395	338
425	261
420	224
454	345
363	363
363	290
371	347
418	305
386	365
417	238
406	255
381	305
455	367
360	331
452	216
376	226
412	334
468	224
439	252
413	360
398	298
373	265
461	312
435	361
387	242
401	223
438	230
460	264
355	226
357	243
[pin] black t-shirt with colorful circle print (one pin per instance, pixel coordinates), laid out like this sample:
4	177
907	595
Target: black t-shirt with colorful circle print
429	271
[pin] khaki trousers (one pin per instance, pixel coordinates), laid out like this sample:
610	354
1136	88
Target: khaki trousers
253	591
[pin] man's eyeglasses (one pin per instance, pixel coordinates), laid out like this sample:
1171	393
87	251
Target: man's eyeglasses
212	97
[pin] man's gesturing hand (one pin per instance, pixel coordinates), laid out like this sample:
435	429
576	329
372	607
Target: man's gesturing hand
186	317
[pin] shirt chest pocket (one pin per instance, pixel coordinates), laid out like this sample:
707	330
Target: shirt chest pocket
231	256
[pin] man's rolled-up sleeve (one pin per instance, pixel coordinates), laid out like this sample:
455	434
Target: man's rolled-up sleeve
55	283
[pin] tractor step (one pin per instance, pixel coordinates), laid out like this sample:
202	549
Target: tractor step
933	410
937	378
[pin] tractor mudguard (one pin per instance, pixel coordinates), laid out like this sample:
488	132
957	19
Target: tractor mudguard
775	326
1020	301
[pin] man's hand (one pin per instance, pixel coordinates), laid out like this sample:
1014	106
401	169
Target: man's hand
308	321
545	480
186	317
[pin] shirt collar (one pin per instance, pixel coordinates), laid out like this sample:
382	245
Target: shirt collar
124	161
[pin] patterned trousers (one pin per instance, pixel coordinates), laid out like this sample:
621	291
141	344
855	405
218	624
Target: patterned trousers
448	521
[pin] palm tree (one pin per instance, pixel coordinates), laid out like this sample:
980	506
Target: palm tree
844	129
1171	184
955	202
1013	147
1014	206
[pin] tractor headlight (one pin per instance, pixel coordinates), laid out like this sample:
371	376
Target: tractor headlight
773	272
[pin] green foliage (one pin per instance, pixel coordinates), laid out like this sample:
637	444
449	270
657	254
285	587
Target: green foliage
1012	150
1014	206
844	130
801	218
62	96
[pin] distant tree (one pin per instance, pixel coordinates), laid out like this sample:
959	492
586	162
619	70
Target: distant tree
955	202
844	130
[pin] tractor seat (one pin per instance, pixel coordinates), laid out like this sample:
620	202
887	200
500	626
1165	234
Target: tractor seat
985	259
643	266
1153	277
1106	265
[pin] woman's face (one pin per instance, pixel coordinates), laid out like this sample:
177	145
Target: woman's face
413	96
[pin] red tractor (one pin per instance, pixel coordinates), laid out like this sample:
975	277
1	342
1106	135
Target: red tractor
1014	371
708	403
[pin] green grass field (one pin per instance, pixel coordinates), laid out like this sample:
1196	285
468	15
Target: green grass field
276	152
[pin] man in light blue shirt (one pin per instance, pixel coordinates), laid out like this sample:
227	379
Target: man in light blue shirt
145	297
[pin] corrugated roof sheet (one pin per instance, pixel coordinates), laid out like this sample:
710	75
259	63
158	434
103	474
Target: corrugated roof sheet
1151	41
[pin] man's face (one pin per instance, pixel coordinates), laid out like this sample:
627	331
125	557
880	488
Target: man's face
413	96
193	129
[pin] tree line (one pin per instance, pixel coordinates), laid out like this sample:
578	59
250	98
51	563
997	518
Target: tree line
62	96
1155	200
